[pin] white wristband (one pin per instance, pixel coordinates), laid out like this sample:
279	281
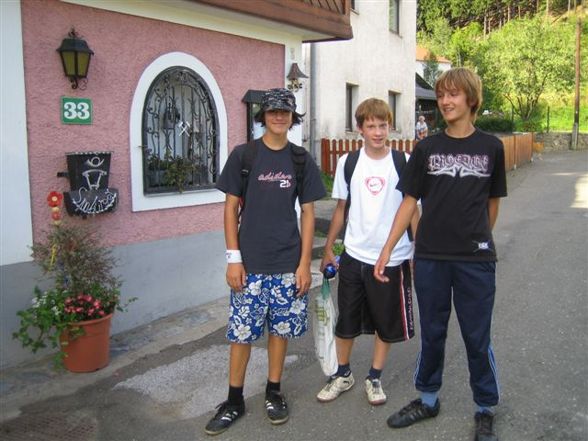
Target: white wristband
233	256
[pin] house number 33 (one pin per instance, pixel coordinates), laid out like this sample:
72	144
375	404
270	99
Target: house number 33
76	110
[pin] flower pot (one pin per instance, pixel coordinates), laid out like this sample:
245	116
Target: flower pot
91	351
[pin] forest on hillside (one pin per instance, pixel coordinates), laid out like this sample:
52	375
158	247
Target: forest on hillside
524	51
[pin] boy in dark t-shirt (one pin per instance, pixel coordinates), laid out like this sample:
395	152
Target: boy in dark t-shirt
459	176
268	257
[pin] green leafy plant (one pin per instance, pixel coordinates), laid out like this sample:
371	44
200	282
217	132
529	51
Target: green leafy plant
84	286
170	171
338	248
494	124
179	171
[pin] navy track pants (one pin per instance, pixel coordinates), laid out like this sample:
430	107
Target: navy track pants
472	286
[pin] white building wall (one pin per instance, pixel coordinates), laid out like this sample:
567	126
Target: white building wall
376	60
16	230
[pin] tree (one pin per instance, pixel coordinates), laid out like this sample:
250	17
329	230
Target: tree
431	70
527	57
464	43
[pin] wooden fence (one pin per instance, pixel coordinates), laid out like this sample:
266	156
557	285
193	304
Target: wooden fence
333	149
518	150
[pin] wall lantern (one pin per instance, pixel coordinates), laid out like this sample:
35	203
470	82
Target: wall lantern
295	76
75	56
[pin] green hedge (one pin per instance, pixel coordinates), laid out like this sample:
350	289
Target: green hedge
494	124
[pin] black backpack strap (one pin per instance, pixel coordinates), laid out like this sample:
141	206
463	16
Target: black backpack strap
249	154
299	155
399	159
348	169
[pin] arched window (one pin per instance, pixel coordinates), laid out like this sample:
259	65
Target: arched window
179	136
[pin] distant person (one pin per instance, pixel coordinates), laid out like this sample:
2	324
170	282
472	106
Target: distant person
459	176
367	306
421	129
268	258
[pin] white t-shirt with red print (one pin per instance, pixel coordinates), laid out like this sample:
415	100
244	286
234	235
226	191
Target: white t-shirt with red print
374	203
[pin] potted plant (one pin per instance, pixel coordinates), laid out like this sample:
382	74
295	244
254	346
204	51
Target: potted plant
179	172
77	309
170	171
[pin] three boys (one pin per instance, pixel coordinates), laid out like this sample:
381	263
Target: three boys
459	176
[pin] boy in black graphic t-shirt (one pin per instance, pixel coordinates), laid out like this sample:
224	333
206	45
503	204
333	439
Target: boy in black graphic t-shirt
268	257
459	176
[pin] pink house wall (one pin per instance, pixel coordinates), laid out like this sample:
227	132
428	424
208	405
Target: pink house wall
124	46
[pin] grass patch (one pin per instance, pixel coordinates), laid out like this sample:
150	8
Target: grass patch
561	119
328	182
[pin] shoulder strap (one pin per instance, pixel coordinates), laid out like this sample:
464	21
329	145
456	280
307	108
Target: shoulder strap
348	169
299	160
247	159
399	159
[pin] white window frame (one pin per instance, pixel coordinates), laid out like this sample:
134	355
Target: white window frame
141	201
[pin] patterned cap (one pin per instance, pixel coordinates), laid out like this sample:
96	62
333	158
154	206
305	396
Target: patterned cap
278	99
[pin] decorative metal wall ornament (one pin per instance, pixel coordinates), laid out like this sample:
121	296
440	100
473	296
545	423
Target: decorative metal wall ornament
88	177
180	137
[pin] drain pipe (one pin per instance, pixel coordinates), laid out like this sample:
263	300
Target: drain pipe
313	82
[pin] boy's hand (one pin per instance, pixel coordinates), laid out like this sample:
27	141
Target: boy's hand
303	279
328	257
381	265
236	276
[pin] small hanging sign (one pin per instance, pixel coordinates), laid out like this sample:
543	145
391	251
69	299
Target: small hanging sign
76	110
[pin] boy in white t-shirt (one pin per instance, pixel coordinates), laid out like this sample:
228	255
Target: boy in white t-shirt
367	306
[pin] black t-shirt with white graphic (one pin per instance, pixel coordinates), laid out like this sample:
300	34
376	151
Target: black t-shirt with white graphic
454	178
269	238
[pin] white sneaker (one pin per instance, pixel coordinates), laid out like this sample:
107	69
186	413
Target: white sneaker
335	387
374	391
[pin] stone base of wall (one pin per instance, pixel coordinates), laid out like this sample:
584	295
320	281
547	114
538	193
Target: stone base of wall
557	141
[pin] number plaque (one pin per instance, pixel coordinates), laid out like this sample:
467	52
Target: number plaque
76	110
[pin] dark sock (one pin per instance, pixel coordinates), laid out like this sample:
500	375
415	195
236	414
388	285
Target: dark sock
343	370
375	373
235	395
270	386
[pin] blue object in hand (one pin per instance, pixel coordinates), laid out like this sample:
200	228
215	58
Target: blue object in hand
330	270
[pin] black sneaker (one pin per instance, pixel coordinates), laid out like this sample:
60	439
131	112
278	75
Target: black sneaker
413	413
485	427
276	407
226	415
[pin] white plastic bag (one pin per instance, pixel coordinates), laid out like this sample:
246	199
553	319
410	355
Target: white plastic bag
324	330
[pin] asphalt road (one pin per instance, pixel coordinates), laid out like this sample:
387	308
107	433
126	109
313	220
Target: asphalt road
539	336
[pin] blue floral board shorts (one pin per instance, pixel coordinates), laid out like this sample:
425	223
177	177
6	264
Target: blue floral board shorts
271	299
